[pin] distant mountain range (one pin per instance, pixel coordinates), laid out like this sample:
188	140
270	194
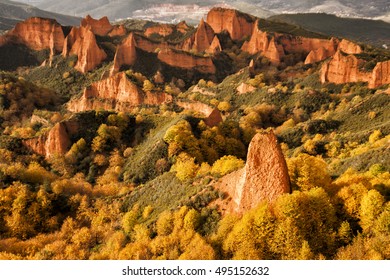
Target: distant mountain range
13	12
362	30
119	9
373	32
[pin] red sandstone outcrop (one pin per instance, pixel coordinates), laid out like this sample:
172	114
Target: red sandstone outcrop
158	78
274	46
264	177
187	61
125	54
116	93
165	30
214	119
262	42
56	141
182	27
149	46
99	27
82	42
37	34
343	69
118	30
162	29
236	24
245	88
349	47
380	75
295	44
317	55
199	107
203	37
215	46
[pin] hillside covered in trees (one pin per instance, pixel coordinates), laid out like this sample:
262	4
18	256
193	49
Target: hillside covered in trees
256	140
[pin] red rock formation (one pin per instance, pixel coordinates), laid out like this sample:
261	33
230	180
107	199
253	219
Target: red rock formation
199	107
294	44
160	29
321	49
82	42
203	37
274	46
245	88
349	47
238	25
116	93
264	177
316	55
343	69
182	27
380	75
187	61
147	45
215	46
99	27
125	54
262	42
37	34
57	141
214	119
118	30
158	78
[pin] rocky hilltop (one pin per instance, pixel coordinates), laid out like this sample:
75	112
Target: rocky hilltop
55	142
344	68
37	34
181	47
116	93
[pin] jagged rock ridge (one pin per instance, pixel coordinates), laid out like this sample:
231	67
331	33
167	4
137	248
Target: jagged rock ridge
116	93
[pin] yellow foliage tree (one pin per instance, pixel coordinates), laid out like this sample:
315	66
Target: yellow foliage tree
185	167
227	164
307	172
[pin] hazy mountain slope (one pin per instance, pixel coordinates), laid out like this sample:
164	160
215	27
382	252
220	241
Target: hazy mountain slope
114	9
360	8
362	30
122	9
12	12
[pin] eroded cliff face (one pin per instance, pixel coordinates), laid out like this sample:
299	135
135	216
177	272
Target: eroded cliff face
37	34
55	142
187	61
380	75
275	46
116	93
118	30
264	177
214	119
203	37
236	24
198	107
165	30
160	29
99	27
344	69
349	47
82	42
126	54
149	46
215	46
